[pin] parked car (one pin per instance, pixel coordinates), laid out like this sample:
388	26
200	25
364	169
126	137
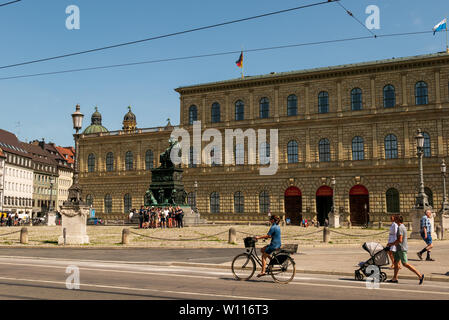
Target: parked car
95	221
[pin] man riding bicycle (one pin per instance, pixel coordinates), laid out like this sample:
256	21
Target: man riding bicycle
275	234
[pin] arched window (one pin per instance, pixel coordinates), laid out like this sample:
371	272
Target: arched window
127	201
264	153
264	202
356	99
392	196
215	202
429	194
389	96
215	112
108	204
193	114
427	146
323	102
358	149
191	200
391	147
89	200
149	160
292	105
292	152
239	202
129	161
264	108
239	110
239	152
324	150
110	162
91	163
421	93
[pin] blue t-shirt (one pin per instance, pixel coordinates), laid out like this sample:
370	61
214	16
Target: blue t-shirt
275	233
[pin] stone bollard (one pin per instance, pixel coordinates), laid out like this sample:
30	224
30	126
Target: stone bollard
64	235
232	236
125	236
326	235
439	232
24	236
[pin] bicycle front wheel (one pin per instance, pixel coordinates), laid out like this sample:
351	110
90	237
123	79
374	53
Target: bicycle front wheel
243	267
283	269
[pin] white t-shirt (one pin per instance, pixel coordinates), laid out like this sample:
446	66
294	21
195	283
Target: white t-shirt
392	235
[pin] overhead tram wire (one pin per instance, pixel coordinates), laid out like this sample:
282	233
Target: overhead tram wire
355	18
213	55
166	35
8	3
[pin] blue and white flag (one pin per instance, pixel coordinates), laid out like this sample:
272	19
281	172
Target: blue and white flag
440	26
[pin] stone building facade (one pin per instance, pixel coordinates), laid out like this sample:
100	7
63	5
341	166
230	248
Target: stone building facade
356	123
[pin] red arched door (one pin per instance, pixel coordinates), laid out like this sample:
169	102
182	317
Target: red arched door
359	205
324	200
293	205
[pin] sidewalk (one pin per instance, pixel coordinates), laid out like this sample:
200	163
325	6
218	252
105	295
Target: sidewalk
343	260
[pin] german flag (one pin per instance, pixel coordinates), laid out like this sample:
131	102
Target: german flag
239	62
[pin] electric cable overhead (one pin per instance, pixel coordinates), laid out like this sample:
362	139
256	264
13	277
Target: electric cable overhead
166	35
355	18
214	54
8	3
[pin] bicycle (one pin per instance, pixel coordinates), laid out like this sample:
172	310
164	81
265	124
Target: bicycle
281	266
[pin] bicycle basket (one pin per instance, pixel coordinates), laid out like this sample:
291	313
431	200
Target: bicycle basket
250	242
290	248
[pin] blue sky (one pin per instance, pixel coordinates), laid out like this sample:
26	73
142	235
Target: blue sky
40	107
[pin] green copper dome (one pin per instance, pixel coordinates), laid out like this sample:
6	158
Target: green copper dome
95	126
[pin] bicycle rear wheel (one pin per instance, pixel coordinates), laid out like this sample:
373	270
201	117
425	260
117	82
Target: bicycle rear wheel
243	267
283	268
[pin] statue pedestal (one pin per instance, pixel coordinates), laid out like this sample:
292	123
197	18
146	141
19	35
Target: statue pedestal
51	219
74	219
416	215
334	220
191	218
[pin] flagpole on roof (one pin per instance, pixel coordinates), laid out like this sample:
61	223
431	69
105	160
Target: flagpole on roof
243	66
447	39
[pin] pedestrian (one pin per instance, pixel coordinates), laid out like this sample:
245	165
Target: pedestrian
400	255
392	237
426	235
141	217
180	217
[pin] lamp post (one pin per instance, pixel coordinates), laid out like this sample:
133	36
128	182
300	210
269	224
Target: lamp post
444	212
50	206
74	211
422	201
75	190
195	186
333	184
334	216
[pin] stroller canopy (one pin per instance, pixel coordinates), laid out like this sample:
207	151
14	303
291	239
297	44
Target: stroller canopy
372	247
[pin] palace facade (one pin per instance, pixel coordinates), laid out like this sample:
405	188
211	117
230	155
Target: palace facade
356	123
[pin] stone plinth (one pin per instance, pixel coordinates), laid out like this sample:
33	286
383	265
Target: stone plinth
51	219
191	218
334	220
415	216
74	218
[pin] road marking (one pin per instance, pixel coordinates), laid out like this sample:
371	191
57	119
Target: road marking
138	289
356	285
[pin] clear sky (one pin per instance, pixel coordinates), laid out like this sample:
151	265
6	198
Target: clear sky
40	107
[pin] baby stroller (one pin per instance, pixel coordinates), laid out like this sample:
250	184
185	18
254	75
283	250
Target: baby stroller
379	258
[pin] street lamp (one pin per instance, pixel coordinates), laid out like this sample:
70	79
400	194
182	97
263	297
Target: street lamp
75	190
445	204
333	184
422	200
50	206
195	186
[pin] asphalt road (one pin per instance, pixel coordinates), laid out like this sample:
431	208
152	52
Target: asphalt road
39	277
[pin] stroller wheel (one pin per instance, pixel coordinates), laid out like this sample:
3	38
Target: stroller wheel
383	277
358	275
